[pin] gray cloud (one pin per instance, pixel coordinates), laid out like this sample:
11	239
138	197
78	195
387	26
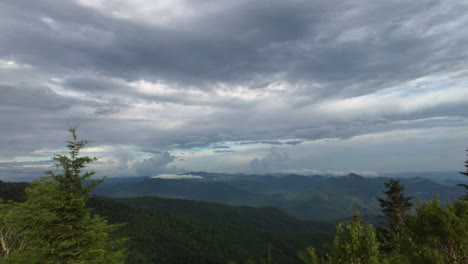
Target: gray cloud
123	164
223	150
264	72
24	171
275	161
337	44
271	142
221	147
152	151
293	142
154	165
107	110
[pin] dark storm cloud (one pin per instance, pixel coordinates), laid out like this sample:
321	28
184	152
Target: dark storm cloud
293	142
221	147
271	142
338	44
254	72
152	151
41	99
107	111
32	118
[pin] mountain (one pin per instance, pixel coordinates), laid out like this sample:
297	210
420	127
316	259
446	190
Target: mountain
307	197
443	177
180	231
157	237
264	218
189	189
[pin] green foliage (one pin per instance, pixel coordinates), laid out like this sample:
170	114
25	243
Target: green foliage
71	180
437	234
308	256
395	207
54	225
11	239
355	243
249	261
13	191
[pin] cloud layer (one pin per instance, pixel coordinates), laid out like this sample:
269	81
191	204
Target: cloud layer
145	77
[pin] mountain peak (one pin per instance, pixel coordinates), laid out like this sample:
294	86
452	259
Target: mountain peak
354	175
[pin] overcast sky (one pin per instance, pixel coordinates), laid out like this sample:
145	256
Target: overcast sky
171	86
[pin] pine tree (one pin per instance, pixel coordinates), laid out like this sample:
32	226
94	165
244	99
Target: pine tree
395	206
465	197
56	223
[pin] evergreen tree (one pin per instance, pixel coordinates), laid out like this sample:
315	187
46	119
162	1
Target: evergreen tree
55	222
465	197
395	206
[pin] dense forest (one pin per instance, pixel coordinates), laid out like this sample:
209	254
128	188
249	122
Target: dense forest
56	219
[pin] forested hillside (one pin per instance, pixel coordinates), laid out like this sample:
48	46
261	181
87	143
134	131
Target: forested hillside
305	197
265	218
179	231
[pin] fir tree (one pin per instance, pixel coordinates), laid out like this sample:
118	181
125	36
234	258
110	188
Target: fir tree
55	223
465	197
395	206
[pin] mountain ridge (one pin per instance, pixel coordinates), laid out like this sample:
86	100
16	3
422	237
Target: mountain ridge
306	197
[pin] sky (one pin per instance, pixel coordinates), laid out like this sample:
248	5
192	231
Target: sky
173	86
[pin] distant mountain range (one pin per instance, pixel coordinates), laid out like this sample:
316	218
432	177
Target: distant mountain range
443	177
306	197
179	231
203	226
